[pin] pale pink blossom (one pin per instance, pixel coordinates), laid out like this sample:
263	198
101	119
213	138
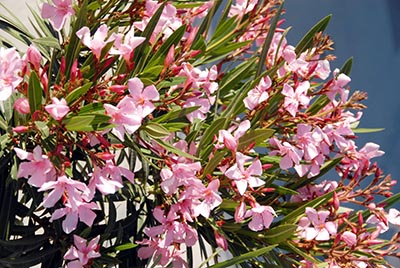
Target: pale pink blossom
143	97
128	45
200	113
39	169
58	109
211	199
291	154
226	139
83	211
10	66
167	23
98	41
58	13
258	94
179	174
76	191
315	226
310	191
108	179
21	105
82	252
242	7
125	116
349	238
245	177
262	217
295	98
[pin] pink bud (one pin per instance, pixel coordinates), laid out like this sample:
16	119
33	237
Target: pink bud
119	89
21	105
105	156
33	56
240	212
349	238
20	129
170	57
221	241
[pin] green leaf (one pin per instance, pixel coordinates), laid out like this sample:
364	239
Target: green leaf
92	108
35	92
77	93
256	136
307	41
29	260
210	132
43	128
346	68
268	40
155	130
318	104
279	233
244	257
47	41
214	162
175	114
73	48
169	147
147	33
367	130
95	122
125	246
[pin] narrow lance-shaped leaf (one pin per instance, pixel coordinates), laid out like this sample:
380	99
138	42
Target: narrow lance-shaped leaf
35	92
346	68
306	42
268	41
244	257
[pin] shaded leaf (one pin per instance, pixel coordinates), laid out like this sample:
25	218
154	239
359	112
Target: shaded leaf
244	257
77	93
256	136
155	130
280	233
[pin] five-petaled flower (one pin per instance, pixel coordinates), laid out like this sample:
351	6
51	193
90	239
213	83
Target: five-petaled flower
82	252
58	13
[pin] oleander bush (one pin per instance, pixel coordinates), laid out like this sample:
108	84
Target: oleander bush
163	134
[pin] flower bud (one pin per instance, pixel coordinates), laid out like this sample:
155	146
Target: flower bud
21	105
20	129
34	57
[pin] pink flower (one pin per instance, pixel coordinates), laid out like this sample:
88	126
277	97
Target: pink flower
83	211
143	96
315	226
125	116
258	94
58	13
211	199
98	42
349	238
245	177
75	190
58	109
291	154
178	175
82	251
10	66
21	105
200	113
231	141
126	47
262	217
242	7
294	98
108	179
39	169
